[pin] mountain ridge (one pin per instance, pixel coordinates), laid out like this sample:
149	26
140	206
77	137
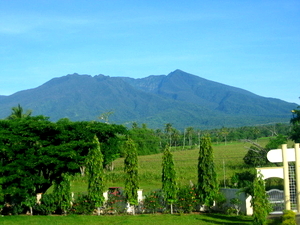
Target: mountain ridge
179	98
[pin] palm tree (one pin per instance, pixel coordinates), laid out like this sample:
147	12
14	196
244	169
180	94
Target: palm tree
168	130
17	113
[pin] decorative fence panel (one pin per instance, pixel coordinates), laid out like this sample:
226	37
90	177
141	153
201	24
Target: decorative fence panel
276	199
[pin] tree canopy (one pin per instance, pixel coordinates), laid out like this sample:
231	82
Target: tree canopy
34	152
295	121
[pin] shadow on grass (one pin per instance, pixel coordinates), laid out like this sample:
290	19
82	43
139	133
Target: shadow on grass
225	219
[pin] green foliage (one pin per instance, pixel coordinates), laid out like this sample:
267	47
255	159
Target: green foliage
257	155
94	163
236	204
187	199
289	218
169	185
260	203
82	205
116	203
62	193
35	152
131	170
295	121
17	113
47	206
154	202
244	180
146	140
276	142
207	179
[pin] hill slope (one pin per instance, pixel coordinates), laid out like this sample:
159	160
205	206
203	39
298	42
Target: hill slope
179	98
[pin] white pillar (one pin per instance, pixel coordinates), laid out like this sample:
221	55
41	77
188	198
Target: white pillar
297	156
287	199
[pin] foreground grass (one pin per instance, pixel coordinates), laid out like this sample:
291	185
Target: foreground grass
203	219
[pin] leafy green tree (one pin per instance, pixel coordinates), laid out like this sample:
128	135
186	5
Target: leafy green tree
169	185
260	203
257	155
295	121
95	175
146	140
207	178
35	153
131	170
18	113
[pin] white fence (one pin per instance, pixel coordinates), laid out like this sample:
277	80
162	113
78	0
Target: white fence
245	205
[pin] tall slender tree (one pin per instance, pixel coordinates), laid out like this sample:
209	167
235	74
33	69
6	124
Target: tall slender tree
168	130
95	175
169	185
131	170
62	191
207	178
260	203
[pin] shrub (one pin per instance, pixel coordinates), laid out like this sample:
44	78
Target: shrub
289	218
220	201
82	205
153	202
187	199
116	203
47	206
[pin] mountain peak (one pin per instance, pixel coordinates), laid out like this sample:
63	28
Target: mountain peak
179	98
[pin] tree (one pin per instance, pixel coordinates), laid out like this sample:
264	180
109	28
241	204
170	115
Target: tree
94	162
18	112
131	170
62	193
169	185
295	121
145	139
190	132
257	155
105	116
168	130
207	178
35	153
260	203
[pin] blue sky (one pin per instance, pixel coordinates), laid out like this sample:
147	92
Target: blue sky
254	45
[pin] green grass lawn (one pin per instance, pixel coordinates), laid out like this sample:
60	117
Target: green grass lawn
203	219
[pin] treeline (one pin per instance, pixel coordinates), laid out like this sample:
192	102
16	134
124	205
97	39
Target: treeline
151	141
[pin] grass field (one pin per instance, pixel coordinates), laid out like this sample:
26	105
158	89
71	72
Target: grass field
228	160
165	219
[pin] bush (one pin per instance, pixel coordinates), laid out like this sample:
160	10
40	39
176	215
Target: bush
47	206
82	205
187	199
116	203
289	218
153	202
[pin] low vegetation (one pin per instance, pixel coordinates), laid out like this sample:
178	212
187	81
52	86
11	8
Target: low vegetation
62	148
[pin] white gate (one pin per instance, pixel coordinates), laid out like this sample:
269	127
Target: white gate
276	199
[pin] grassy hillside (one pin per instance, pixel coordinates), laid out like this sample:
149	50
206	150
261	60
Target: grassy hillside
228	160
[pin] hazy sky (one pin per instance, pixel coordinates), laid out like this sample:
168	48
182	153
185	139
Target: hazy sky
254	45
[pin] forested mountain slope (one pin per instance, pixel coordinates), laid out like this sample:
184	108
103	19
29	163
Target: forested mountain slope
179	98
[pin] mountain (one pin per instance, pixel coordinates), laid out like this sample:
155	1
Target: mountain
179	98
